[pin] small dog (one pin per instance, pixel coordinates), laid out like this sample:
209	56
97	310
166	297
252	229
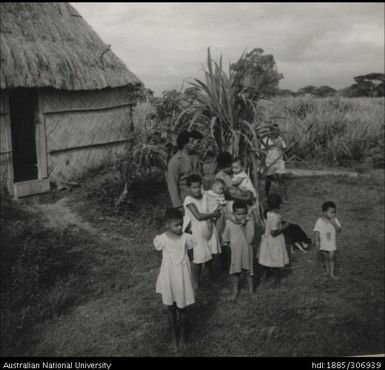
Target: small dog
296	237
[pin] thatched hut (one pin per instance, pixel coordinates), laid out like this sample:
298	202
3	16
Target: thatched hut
66	98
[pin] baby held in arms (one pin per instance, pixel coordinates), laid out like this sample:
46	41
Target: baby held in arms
241	182
216	196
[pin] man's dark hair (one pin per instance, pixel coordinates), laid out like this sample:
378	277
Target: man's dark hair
238	204
224	160
184	137
327	205
193	178
172	214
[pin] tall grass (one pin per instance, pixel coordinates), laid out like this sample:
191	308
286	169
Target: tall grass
332	130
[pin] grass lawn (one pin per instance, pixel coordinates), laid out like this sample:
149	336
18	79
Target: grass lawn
121	315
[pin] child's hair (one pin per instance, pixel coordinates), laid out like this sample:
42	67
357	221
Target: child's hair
193	178
224	160
327	205
172	214
238	204
218	181
274	201
237	159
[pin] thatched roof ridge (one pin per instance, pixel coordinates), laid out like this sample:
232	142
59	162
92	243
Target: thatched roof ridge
51	45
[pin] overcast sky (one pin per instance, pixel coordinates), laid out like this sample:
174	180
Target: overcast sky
313	43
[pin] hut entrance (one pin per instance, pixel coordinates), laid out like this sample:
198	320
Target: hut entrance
22	109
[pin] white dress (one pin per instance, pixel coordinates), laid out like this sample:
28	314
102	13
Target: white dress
204	232
327	233
272	250
175	282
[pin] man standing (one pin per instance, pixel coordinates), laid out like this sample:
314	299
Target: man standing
183	164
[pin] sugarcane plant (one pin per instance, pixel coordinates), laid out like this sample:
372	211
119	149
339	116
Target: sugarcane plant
224	107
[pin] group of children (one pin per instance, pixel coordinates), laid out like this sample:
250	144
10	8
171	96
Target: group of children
211	225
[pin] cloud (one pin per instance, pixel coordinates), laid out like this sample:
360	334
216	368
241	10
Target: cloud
313	43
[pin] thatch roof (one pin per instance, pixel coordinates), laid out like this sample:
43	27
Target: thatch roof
51	45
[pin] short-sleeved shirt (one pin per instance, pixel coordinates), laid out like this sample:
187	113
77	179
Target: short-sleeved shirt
327	233
180	167
174	249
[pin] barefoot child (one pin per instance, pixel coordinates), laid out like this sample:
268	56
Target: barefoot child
272	250
203	229
325	230
239	234
175	282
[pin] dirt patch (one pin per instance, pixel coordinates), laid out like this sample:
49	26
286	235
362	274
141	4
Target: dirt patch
60	216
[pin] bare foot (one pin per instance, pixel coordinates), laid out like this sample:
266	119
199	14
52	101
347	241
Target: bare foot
334	277
326	273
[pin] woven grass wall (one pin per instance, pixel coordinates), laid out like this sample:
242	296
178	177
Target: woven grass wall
5	154
85	129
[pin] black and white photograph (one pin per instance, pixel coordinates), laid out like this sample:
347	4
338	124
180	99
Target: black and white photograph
192	180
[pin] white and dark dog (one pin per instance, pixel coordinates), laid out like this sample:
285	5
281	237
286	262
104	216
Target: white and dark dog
296	238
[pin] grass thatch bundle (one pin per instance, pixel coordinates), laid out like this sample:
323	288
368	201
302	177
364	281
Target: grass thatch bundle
51	45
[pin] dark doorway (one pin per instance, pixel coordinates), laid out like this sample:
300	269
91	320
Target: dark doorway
22	105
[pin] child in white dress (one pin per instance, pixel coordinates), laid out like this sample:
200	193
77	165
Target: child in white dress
325	230
272	251
175	282
202	228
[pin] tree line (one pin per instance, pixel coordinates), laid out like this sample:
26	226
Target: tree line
369	85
